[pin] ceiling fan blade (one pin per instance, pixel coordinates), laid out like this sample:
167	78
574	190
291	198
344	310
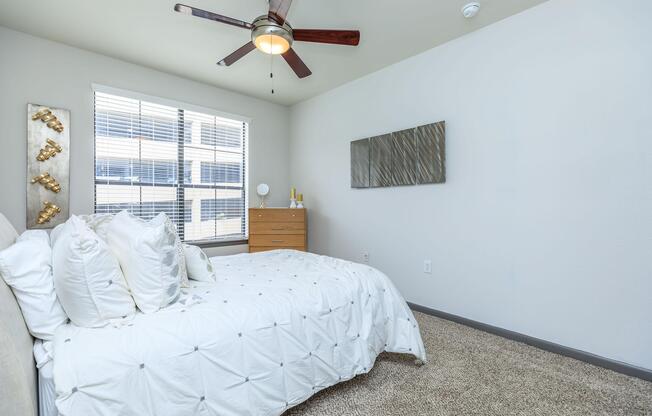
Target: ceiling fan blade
336	37
278	10
182	8
235	56
296	64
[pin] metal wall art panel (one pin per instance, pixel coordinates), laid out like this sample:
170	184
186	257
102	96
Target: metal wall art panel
431	150
407	157
360	163
48	166
404	157
381	161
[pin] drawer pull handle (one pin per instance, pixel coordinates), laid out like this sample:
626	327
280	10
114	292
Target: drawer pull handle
277	241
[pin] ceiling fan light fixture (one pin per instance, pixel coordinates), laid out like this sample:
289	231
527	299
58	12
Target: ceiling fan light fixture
272	44
270	37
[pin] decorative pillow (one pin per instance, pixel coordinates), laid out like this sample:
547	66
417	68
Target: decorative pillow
87	277
199	266
148	257
26	266
178	245
100	222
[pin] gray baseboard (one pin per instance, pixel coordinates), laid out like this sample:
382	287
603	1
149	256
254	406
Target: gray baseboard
608	363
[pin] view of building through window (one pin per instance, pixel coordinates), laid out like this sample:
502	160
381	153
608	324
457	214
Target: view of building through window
151	158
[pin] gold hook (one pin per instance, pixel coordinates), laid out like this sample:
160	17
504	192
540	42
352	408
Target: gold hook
50	150
48	182
48	212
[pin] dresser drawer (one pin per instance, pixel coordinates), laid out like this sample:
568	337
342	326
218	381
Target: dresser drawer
258	249
277	215
277	240
257	228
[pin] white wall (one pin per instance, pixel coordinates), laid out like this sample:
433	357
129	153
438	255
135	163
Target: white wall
545	223
34	70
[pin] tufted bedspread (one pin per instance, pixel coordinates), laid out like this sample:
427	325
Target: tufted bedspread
276	328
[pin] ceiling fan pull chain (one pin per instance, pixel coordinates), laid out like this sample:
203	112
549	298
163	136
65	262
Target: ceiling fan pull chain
271	71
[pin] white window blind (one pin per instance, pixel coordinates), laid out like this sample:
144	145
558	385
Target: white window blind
152	158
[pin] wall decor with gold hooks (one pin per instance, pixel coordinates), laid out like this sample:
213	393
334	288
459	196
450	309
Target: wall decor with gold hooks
48	166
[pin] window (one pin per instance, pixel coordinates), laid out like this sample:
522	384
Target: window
224	136
152	158
147	210
212	209
112	123
142	171
212	172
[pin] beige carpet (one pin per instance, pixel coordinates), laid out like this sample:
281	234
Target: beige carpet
470	372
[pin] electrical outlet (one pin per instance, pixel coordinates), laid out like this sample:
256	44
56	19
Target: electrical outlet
427	266
365	257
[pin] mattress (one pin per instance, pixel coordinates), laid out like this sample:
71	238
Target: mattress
46	392
275	328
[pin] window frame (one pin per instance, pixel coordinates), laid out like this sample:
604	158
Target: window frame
181	162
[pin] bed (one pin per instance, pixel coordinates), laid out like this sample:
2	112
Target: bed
276	328
17	367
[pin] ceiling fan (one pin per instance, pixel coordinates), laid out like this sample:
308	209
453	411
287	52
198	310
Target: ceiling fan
272	34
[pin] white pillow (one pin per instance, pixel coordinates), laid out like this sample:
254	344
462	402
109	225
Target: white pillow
149	260
199	266
178	246
87	277
100	223
26	266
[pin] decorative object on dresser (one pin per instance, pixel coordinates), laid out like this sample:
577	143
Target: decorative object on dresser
48	166
293	197
262	190
408	157
277	228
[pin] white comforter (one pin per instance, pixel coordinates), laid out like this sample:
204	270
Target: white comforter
276	328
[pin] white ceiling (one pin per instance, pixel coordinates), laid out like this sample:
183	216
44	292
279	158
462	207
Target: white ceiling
150	33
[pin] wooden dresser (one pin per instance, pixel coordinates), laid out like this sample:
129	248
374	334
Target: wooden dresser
275	228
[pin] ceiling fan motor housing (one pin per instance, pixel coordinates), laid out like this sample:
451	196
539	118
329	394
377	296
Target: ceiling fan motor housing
263	26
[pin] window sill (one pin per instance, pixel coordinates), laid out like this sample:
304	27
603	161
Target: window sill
211	243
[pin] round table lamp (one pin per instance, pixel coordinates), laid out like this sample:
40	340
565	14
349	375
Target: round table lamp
262	190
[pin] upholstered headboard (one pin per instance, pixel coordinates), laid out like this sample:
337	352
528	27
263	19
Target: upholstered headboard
17	367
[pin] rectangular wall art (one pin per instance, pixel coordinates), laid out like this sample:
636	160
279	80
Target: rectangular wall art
48	166
407	157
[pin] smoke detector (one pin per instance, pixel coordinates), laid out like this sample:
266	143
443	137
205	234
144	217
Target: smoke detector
471	9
